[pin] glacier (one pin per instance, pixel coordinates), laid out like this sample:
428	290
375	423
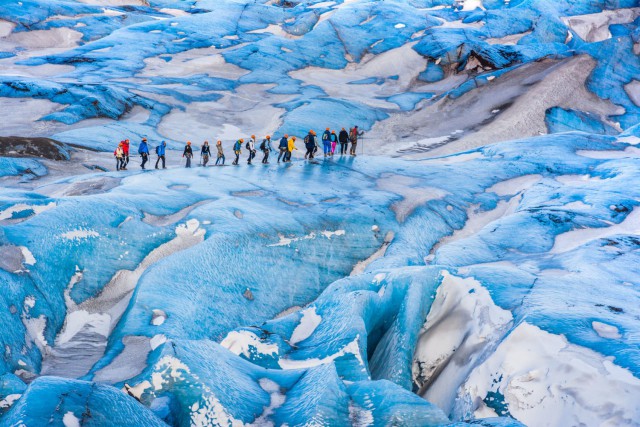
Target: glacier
475	265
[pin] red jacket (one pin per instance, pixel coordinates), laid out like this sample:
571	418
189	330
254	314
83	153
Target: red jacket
125	148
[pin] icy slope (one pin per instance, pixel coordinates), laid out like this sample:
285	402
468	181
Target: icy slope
421	75
494	283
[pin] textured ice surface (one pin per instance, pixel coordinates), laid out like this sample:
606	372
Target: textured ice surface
91	73
404	294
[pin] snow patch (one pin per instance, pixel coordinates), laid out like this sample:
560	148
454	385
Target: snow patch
308	324
70	420
242	342
606	331
79	234
524	371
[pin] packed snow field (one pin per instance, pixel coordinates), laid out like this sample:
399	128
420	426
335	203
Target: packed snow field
440	281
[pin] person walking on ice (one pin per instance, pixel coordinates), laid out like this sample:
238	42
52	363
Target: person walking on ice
125	150
251	146
283	146
237	149
326	142
119	155
343	138
353	137
291	145
143	150
266	149
205	152
188	153
310	144
334	141
220	153
160	151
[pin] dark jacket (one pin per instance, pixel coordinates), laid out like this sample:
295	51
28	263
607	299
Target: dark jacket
310	141
343	137
206	149
283	143
187	151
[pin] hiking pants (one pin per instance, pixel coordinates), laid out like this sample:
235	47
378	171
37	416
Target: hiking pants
158	161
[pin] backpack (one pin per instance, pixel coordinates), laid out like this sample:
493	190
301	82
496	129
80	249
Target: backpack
158	150
306	139
263	146
352	136
246	145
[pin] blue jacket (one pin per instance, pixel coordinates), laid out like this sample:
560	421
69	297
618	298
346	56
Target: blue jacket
267	144
334	137
143	148
237	146
283	143
161	148
326	136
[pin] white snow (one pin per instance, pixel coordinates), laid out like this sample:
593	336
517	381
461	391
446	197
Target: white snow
514	186
70	420
276	400
351	348
462	324
37	209
361	266
241	342
606	331
595	27
157	341
526	368
158	317
413	193
286	241
308	324
629	152
9	400
575	238
79	320
79	234
29	259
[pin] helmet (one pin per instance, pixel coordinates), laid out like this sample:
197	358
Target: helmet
188	142
126	140
253	136
219	142
342	128
286	136
293	137
120	145
144	139
241	140
268	137
327	128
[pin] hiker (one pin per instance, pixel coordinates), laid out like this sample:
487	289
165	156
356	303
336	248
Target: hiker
143	150
125	152
160	151
353	137
284	144
237	147
334	141
343	138
251	146
310	144
291	145
220	153
266	149
326	142
119	155
188	153
205	152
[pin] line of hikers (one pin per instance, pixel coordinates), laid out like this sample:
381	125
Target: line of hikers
286	146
